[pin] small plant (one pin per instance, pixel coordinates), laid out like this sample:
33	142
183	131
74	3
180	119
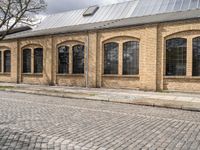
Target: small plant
3	88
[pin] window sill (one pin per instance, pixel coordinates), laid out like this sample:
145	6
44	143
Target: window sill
181	77
32	74
71	75
5	74
121	76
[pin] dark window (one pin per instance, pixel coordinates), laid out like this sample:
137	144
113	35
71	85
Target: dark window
27	61
111	58
176	53
63	59
131	58
78	59
7	61
196	57
38	60
0	62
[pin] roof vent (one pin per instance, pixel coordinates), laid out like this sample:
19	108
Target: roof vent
91	11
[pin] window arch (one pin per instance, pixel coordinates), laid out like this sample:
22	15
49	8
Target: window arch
38	60
63	59
196	57
131	58
78	59
111	58
7	61
176	54
27	60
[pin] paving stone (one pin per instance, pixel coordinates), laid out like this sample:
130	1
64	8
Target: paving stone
31	122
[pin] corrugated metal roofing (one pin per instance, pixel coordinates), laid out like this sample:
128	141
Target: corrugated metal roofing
72	18
122	14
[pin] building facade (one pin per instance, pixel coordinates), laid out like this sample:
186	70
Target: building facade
156	56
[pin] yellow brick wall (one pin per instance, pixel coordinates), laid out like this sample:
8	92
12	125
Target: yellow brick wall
183	29
151	58
147	37
69	40
13	75
31	78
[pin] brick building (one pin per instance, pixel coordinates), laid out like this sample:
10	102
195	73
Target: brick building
136	45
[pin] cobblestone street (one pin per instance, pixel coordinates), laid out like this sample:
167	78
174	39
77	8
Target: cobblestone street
42	122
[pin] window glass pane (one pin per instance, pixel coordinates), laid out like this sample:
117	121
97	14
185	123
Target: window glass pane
63	59
0	61
26	61
38	60
7	61
111	58
196	57
131	58
78	59
176	57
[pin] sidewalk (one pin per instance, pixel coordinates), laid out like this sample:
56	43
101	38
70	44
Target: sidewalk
170	100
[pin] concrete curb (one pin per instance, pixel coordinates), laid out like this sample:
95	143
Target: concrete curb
175	104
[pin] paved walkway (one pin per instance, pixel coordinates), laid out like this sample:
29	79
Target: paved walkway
41	122
187	101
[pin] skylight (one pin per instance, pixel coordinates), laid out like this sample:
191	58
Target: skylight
91	11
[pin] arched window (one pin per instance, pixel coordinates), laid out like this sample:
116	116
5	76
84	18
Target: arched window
196	57
111	58
63	59
176	54
7	61
131	58
38	60
78	59
27	61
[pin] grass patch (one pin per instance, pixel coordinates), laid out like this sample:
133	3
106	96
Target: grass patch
92	94
3	88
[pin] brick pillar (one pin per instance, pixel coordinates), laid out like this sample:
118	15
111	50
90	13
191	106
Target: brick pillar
148	56
92	59
14	61
48	61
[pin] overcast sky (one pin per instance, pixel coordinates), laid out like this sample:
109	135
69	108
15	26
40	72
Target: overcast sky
55	6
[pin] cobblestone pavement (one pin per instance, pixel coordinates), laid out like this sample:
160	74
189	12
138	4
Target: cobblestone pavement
42	122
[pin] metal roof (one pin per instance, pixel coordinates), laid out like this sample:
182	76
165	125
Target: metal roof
132	12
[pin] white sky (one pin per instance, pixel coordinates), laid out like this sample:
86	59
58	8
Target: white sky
55	6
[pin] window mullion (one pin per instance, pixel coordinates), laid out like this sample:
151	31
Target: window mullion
2	61
32	60
120	58
189	58
70	60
